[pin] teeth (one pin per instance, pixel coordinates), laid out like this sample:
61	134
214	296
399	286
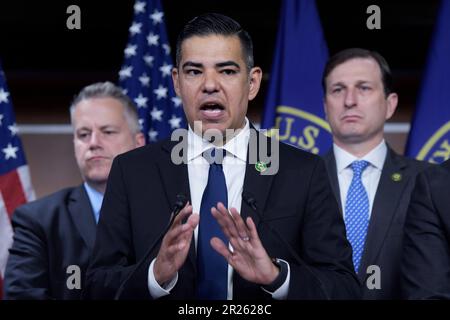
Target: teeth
213	110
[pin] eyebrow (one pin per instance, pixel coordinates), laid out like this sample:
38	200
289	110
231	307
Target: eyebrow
337	84
359	82
364	82
218	65
227	64
192	64
106	126
82	129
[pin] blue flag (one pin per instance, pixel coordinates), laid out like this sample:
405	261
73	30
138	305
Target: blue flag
146	73
429	138
294	103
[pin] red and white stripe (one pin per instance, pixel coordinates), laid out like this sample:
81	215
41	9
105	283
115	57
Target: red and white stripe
15	189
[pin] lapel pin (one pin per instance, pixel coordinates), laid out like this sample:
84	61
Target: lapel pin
260	166
396	177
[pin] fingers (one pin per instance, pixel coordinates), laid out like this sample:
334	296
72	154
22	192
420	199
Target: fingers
183	231
224	220
224	251
185	212
231	222
177	241
179	234
243	238
254	237
177	225
220	247
175	245
242	229
193	220
245	252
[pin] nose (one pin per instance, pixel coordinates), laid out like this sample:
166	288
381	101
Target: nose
210	82
350	98
95	141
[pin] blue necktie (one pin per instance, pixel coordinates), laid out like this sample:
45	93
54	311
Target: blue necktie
212	280
357	212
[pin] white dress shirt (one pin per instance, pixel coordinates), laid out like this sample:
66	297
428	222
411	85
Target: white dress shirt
370	176
234	165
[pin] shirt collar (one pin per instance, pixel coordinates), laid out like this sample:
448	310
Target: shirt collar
375	157
237	146
95	198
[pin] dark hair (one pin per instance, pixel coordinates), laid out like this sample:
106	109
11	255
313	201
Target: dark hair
216	24
355	53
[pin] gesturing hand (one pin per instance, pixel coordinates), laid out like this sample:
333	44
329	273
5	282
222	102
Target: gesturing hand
248	256
175	245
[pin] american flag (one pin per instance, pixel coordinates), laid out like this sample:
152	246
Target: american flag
15	182
146	73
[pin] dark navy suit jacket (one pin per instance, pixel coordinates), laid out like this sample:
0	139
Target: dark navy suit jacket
50	234
297	202
426	253
383	247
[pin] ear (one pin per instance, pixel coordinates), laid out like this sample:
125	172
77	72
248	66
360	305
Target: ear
255	82
392	102
175	76
140	139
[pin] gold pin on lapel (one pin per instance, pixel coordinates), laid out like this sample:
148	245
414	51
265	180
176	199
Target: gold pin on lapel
260	166
396	177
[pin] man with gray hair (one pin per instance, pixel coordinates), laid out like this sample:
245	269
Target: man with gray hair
54	236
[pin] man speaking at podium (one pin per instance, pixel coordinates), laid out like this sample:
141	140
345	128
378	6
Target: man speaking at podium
246	228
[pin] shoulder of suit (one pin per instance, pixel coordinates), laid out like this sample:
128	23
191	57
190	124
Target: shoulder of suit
412	164
446	165
47	205
296	156
147	152
437	172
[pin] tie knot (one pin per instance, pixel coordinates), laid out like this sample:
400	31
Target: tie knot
359	166
214	155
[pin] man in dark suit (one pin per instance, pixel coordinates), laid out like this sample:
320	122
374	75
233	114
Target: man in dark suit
54	236
280	236
426	251
371	182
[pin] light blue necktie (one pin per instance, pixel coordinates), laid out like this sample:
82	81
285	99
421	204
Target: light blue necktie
357	212
212	273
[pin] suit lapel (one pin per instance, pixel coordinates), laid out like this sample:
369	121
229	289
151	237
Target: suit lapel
174	177
82	215
256	185
330	163
385	205
175	180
